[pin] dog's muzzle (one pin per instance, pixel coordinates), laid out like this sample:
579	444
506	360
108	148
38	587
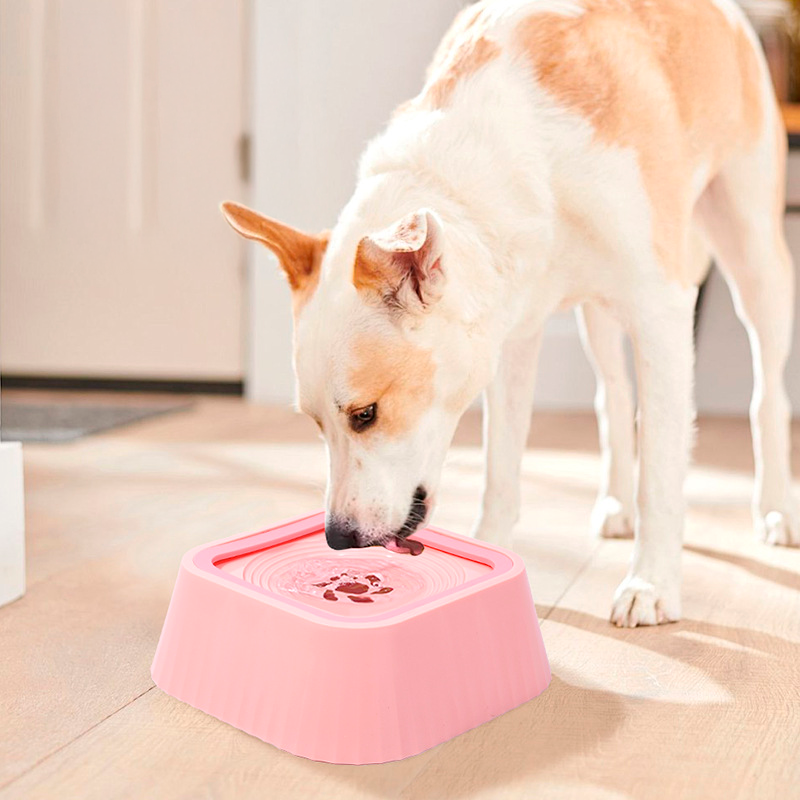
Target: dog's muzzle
342	534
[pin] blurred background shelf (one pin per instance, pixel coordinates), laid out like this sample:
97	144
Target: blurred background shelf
791	118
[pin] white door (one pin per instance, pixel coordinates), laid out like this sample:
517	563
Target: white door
120	132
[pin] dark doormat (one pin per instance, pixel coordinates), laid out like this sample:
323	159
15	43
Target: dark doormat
65	422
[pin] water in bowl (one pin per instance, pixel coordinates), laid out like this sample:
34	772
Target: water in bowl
353	583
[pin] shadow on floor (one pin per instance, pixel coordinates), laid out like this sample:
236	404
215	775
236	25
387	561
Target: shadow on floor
526	745
573	721
783	577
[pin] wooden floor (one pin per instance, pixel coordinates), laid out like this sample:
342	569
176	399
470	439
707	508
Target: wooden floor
706	708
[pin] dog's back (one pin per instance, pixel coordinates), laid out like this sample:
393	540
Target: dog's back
682	83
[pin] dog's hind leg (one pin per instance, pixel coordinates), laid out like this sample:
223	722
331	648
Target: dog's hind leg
742	214
603	338
506	420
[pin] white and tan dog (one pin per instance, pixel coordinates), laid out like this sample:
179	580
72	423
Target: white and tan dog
587	153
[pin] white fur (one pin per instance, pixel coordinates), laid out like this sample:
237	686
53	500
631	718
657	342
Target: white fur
499	167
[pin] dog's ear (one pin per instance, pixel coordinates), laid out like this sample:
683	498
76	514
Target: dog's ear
402	264
299	253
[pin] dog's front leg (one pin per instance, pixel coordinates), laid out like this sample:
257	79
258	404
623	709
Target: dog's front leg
506	420
663	347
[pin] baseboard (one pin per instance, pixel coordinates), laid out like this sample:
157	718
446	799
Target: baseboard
12	523
154	385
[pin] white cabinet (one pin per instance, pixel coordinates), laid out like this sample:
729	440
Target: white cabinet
12	523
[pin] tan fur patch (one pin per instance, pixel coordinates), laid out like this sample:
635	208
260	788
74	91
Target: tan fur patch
462	52
367	272
397	376
672	80
465	60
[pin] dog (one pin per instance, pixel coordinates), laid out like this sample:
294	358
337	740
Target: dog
562	153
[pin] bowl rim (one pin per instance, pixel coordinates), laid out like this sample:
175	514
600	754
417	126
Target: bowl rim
203	561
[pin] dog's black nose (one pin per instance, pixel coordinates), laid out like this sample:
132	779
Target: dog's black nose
339	534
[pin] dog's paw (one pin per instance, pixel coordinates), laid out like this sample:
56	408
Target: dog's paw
611	520
779	528
639	602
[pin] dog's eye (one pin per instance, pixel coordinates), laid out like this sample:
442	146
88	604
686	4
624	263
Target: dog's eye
363	418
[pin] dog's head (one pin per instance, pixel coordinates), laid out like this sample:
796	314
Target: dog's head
382	366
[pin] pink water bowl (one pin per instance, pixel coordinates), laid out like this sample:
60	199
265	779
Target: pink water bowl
351	656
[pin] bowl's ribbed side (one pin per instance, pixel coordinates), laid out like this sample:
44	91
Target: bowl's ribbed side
352	694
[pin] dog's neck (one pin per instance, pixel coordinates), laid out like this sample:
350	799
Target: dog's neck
498	233
483	270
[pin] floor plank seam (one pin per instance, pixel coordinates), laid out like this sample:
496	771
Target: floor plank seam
61	747
586	564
